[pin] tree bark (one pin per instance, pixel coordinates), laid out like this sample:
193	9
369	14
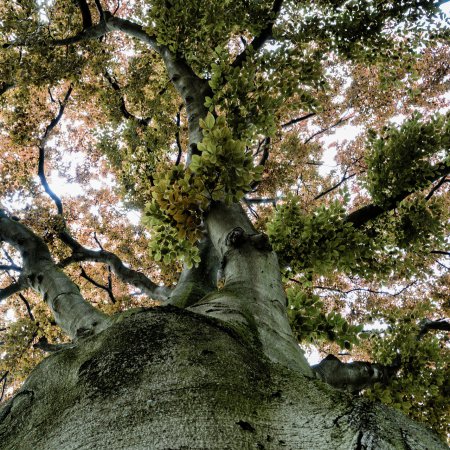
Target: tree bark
169	378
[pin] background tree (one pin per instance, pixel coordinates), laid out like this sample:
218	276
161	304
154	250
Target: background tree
195	141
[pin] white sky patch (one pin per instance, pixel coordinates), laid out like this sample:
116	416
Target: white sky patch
10	315
376	325
341	134
312	354
446	9
134	217
61	187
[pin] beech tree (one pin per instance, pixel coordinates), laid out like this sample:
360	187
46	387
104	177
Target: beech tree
181	220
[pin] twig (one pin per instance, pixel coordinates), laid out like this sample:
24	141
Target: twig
98	241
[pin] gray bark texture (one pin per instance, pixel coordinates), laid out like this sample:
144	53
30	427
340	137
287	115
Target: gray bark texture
167	378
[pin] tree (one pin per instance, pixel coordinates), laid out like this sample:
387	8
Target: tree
208	118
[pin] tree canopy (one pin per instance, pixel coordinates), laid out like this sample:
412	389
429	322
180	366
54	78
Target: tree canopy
123	124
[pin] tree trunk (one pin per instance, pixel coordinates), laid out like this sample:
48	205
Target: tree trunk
170	378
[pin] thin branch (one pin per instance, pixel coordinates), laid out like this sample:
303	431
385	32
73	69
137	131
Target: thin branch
264	35
98	285
177	136
85	13
41	164
99	8
123	108
443	180
370	291
263	160
440	252
21	296
324	130
27	306
13	267
298	120
265	155
332	188
113	83
3	380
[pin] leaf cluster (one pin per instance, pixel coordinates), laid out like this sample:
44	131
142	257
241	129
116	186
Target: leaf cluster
319	242
312	324
223	171
421	388
399	159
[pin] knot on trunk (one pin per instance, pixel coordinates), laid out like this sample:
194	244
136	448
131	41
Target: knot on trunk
237	237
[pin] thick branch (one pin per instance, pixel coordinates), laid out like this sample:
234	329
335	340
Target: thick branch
45	346
353	376
75	316
426	325
370	212
191	87
12	289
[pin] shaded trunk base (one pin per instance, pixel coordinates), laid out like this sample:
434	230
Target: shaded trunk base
168	378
